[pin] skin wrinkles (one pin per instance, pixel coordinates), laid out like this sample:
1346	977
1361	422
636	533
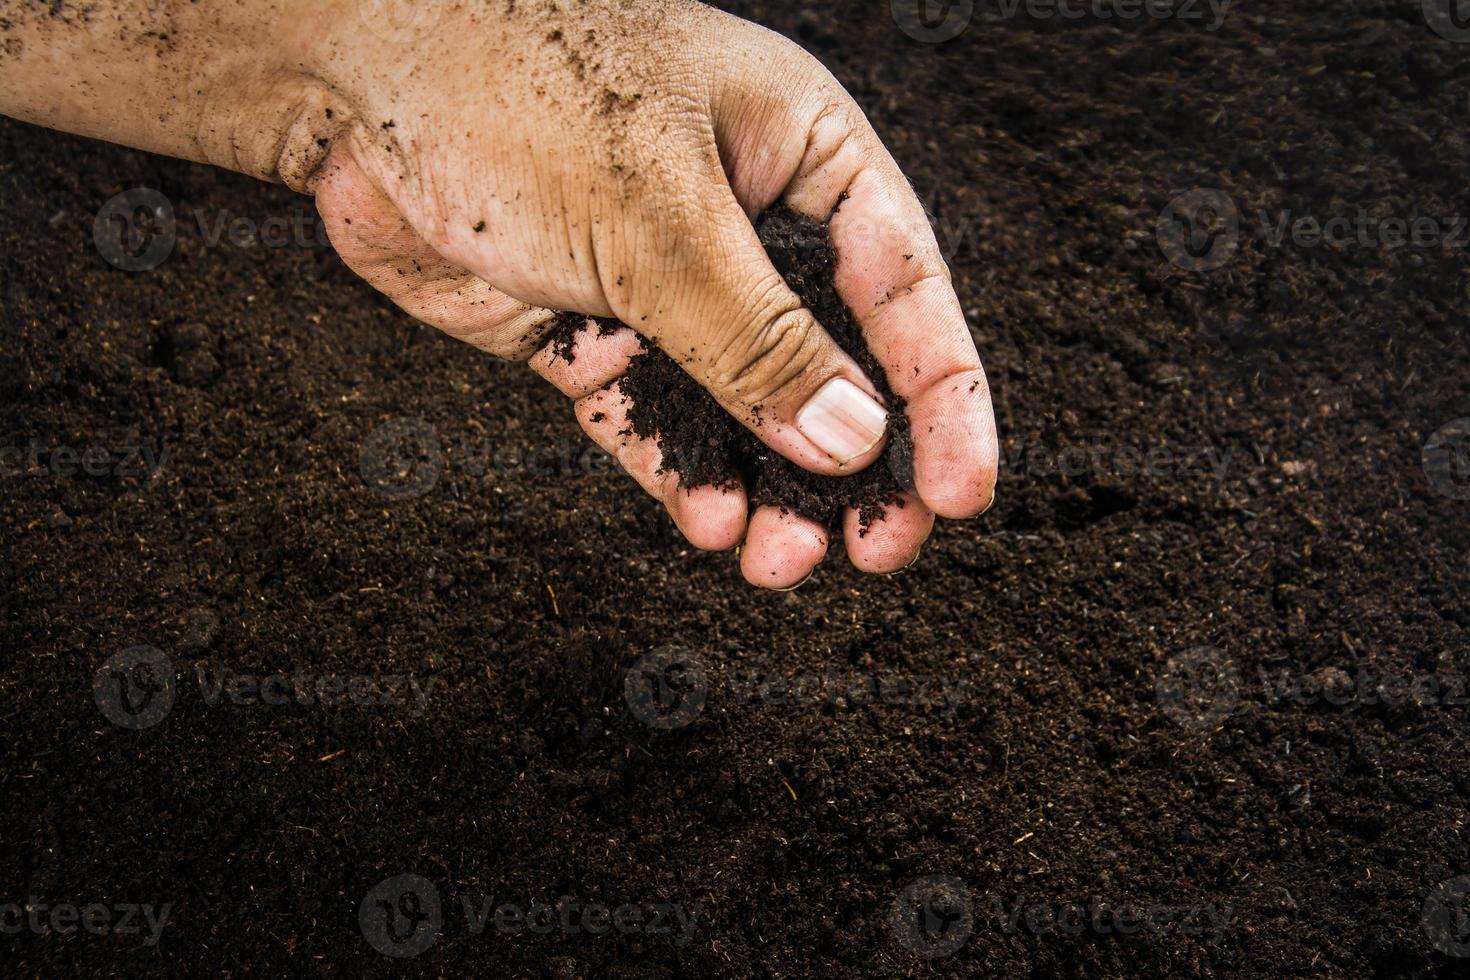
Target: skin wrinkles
491	162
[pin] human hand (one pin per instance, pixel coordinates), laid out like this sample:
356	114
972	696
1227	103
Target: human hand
611	162
485	164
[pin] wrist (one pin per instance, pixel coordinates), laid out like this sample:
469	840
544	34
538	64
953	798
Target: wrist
280	126
228	82
264	108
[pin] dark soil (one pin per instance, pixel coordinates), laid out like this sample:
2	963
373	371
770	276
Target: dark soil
705	446
1219	469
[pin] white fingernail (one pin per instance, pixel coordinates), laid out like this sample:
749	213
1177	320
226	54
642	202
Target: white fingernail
843	420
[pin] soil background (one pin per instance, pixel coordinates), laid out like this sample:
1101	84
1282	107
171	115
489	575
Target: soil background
525	580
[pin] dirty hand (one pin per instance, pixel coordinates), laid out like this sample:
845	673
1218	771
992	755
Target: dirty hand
485	164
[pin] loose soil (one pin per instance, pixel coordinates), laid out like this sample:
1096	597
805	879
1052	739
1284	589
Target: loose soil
706	446
1225	461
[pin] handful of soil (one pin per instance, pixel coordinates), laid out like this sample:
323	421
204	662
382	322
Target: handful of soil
706	446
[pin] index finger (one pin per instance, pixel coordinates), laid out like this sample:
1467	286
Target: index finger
893	277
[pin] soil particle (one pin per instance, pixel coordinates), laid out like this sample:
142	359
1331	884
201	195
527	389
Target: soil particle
706	446
1003	714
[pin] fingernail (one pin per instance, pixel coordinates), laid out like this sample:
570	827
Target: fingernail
793	588
842	420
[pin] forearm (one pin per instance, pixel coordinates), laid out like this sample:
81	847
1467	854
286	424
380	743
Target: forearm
226	82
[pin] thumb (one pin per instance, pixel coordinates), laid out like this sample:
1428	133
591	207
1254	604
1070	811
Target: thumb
718	307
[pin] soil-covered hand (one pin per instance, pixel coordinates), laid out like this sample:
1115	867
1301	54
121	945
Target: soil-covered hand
608	159
486	163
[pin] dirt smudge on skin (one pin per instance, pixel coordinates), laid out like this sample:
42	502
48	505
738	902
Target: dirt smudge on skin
706	446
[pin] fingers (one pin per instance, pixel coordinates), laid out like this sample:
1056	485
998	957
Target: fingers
711	299
891	274
893	543
378	244
781	549
890	271
710	518
598	360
